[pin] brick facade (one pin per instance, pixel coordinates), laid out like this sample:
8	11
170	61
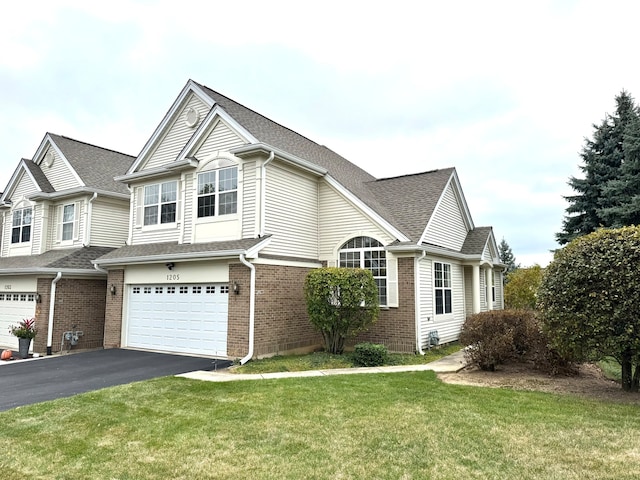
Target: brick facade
79	305
396	327
281	321
113	309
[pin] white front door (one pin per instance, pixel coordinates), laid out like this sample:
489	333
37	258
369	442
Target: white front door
14	307
179	318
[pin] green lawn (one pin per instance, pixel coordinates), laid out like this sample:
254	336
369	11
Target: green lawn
382	426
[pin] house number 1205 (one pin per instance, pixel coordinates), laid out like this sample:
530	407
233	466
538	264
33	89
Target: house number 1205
173	276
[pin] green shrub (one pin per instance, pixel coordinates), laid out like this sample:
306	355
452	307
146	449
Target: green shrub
501	336
341	302
370	354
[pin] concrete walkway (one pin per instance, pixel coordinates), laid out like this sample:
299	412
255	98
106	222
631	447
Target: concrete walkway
450	364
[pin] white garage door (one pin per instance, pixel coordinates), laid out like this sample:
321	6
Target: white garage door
14	307
179	318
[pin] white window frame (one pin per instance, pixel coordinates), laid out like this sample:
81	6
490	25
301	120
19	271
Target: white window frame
67	222
442	284
159	202
358	259
21	226
219	190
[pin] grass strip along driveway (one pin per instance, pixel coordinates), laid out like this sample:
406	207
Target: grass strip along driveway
383	426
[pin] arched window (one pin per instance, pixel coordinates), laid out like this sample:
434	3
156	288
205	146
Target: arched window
367	253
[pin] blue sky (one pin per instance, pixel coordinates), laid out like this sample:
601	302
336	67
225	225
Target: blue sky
505	92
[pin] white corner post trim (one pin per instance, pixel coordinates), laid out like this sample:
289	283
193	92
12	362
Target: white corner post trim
252	308
87	221
263	194
416	283
52	303
476	288
487	283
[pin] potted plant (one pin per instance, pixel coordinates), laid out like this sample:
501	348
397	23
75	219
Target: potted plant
25	331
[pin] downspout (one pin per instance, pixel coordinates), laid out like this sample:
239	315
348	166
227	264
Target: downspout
52	303
252	308
87	223
263	194
416	270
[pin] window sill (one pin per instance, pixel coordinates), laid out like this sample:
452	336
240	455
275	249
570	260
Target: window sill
161	226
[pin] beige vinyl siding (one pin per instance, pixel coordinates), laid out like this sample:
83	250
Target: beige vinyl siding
36	230
486	254
220	138
340	220
468	289
109	223
447	227
425	297
155	233
176	136
249	200
60	174
483	290
291	213
190	184
24	188
499	303
449	326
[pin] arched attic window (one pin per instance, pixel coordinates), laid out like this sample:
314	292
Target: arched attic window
367	253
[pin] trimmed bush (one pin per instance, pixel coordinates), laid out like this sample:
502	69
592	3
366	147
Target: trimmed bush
501	336
370	354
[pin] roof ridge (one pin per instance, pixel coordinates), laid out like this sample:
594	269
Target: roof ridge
90	144
413	174
261	115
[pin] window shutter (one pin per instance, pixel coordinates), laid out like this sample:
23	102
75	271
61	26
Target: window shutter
139	210
76	221
392	282
59	216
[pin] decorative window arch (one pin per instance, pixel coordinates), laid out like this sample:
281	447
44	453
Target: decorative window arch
367	253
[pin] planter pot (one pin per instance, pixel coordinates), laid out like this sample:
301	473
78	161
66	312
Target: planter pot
24	344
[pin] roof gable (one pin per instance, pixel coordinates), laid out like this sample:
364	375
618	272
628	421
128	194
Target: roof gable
27	178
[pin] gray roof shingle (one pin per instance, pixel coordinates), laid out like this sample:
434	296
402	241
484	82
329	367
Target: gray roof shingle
66	259
412	198
96	166
173	249
476	241
39	176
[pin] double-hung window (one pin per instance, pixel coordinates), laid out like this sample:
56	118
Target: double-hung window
367	253
160	202
68	217
218	192
442	284
21	226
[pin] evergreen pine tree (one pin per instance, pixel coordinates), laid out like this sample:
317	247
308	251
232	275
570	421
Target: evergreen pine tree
506	257
599	191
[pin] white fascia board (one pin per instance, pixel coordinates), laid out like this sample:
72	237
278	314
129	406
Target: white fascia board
144	175
77	191
14	180
433	250
384	224
281	155
457	191
76	272
190	87
38	159
207	125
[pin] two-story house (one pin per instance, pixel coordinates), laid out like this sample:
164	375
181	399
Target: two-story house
230	211
60	211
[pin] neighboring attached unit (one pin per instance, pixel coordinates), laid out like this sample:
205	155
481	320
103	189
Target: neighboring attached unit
60	211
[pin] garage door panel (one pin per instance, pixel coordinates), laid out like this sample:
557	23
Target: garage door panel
14	307
181	318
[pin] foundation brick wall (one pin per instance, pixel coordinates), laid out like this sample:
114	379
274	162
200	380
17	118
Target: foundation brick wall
79	305
396	327
281	321
113	309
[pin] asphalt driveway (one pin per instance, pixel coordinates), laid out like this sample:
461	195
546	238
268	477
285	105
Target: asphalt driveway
24	383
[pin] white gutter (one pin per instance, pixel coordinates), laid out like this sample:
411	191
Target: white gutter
87	223
252	308
416	282
263	194
52	303
102	270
